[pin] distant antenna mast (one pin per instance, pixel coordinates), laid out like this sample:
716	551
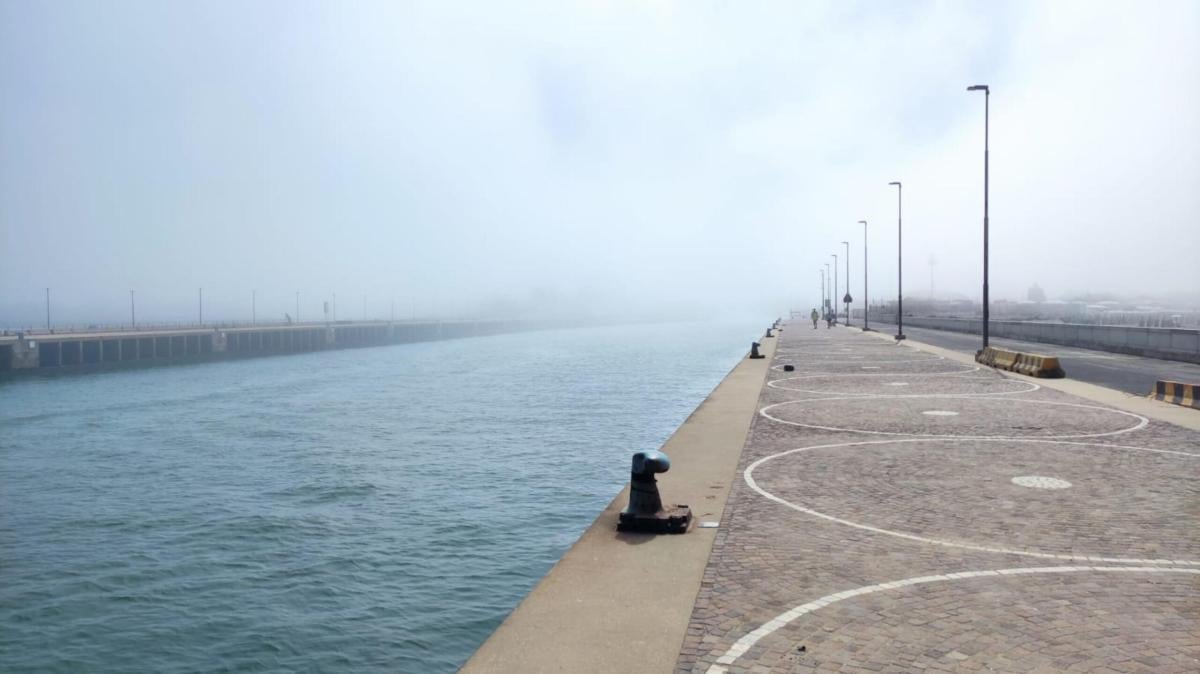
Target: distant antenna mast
932	263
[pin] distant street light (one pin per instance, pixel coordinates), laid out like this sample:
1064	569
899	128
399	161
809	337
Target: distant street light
847	297
899	261
866	297
47	310
987	95
822	302
828	289
201	305
253	307
132	313
835	287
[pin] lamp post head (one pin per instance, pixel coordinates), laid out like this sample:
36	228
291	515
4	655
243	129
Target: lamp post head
895	182
979	87
862	222
846	243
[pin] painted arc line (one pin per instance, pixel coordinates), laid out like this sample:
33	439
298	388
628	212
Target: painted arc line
739	647
801	363
814	375
1142	421
952	373
748	475
851	394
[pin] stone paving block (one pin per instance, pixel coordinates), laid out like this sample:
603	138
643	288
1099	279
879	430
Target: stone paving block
909	513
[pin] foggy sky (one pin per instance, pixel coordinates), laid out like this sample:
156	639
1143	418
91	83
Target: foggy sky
618	159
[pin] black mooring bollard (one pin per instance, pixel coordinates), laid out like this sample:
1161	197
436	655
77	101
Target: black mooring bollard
754	350
645	511
789	368
769	333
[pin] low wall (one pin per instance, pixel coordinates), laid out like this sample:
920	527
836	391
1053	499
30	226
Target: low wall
1165	343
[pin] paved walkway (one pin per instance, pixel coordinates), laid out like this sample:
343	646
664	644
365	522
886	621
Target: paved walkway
901	512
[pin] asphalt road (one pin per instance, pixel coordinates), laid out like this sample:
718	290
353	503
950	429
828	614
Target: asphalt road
1131	374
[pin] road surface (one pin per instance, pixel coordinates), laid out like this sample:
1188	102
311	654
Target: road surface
1131	374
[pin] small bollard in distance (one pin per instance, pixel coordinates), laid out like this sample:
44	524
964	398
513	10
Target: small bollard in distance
769	333
754	350
645	512
789	368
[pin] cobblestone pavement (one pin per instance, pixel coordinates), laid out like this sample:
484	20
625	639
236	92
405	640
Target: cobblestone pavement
900	512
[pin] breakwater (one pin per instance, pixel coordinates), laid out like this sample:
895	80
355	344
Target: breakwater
69	352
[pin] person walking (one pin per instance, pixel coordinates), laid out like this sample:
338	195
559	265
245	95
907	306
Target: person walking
815	318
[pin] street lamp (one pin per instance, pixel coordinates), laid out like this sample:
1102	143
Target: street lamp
835	288
847	297
822	302
987	95
200	292
866	297
899	261
828	289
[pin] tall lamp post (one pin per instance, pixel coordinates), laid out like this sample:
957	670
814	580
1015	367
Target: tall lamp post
987	95
200	292
822	292
899	260
828	289
132	313
847	297
866	297
835	288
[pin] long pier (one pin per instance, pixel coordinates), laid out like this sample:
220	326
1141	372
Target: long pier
50	352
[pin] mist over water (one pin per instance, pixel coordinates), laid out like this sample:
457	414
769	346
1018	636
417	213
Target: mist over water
372	509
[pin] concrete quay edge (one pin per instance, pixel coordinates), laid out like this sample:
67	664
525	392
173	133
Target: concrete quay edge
621	602
1143	405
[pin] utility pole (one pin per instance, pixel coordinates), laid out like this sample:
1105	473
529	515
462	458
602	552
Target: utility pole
201	305
132	313
47	310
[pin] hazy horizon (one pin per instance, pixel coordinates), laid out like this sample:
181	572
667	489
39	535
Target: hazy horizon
593	159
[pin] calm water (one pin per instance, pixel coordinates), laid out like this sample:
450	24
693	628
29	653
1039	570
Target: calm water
372	509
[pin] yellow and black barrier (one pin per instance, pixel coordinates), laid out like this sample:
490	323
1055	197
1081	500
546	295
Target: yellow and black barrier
1030	364
1185	395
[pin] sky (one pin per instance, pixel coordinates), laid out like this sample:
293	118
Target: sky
595	159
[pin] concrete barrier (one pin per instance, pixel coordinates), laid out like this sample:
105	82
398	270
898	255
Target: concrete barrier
1165	343
1031	364
1185	395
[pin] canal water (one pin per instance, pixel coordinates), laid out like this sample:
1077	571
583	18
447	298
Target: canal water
372	509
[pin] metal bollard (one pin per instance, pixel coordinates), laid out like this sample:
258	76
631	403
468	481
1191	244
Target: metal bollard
645	512
769	334
754	350
789	368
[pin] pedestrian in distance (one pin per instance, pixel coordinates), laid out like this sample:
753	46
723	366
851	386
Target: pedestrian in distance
815	318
